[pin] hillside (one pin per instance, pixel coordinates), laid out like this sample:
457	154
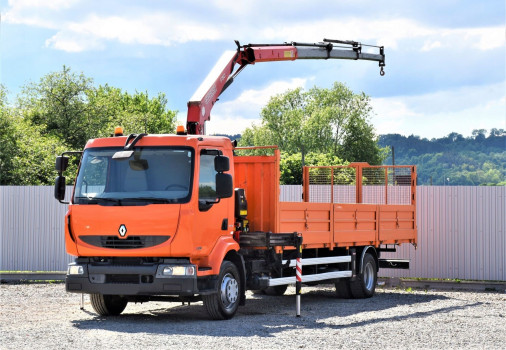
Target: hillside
454	159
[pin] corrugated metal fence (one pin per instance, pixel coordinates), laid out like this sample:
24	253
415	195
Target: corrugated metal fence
461	232
32	229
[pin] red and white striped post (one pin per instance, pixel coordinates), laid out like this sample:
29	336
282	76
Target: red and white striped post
298	274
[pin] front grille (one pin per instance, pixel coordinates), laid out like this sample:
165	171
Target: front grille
122	279
131	242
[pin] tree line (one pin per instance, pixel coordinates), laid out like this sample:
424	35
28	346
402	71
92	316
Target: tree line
320	126
479	159
60	113
64	109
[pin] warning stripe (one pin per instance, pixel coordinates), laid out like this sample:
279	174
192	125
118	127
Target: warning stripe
298	268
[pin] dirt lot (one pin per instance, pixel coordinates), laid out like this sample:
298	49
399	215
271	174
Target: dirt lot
43	316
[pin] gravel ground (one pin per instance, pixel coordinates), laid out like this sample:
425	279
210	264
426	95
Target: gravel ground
43	316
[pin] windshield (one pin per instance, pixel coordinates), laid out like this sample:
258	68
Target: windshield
150	175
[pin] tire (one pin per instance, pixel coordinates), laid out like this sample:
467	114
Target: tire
365	283
343	289
223	304
108	305
276	290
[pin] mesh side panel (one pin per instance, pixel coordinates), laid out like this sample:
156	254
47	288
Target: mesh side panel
345	190
399	185
319	185
386	185
380	185
373	186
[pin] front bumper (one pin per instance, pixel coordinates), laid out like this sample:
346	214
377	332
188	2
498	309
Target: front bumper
120	278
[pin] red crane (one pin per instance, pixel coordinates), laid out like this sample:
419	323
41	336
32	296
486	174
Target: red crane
224	72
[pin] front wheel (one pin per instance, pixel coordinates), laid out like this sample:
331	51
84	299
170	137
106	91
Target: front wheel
223	304
108	305
365	283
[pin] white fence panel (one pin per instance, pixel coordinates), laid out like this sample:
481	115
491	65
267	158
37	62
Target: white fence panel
32	229
461	232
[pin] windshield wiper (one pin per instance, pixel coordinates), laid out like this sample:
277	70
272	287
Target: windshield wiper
94	200
122	201
150	199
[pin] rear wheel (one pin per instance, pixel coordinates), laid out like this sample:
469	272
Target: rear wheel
223	304
108	305
343	288
365	283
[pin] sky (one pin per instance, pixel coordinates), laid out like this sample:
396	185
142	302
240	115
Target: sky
445	59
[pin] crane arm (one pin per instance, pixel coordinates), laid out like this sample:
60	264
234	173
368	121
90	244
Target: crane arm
225	70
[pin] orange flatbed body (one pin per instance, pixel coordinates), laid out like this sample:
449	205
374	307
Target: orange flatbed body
325	225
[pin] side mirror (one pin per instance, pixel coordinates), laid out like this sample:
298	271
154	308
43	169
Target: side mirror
62	163
221	164
59	188
224	185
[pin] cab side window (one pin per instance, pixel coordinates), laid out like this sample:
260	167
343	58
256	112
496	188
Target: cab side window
207	177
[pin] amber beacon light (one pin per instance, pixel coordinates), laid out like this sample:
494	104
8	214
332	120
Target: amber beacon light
118	131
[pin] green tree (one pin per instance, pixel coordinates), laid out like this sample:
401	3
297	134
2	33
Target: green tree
332	121
67	105
61	112
144	114
283	121
59	105
136	113
33	162
8	144
26	154
291	165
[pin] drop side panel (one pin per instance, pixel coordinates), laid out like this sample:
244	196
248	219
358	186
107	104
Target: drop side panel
313	220
355	224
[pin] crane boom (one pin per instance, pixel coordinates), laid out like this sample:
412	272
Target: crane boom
224	72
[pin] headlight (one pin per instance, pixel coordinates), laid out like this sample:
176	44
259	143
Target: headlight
178	270
75	270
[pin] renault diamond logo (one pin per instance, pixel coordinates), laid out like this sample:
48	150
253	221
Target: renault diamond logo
122	230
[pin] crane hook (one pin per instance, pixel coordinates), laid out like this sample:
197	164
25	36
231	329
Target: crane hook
382	72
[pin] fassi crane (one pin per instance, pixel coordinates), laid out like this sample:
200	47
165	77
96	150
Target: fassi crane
224	72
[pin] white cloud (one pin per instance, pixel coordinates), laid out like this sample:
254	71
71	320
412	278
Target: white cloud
251	101
485	38
30	4
73	42
37	13
91	30
430	45
153	29
229	125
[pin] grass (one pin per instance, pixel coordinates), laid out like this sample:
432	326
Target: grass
454	280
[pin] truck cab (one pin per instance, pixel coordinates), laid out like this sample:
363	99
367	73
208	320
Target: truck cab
151	215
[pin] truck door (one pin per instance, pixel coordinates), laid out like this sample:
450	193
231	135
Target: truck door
212	218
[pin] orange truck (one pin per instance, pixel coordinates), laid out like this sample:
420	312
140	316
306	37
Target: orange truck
190	217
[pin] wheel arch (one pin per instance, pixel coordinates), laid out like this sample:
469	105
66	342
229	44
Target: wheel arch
371	250
223	247
238	261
